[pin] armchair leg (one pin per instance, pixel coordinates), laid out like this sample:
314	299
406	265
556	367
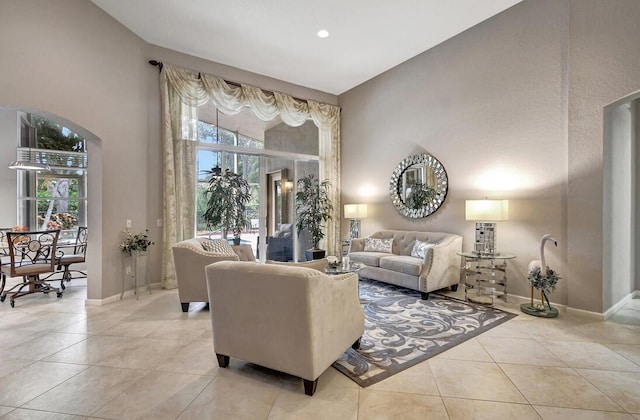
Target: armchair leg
424	295
223	361
356	345
310	386
454	287
185	306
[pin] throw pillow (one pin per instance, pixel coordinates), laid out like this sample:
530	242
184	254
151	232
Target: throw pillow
378	245
286	227
217	246
420	249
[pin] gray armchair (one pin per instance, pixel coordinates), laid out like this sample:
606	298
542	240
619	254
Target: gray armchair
190	258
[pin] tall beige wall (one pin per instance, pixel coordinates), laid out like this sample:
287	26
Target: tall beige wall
618	201
10	132
301	139
69	60
489	105
513	109
603	67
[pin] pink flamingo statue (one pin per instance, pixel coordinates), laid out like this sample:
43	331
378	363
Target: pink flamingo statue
541	262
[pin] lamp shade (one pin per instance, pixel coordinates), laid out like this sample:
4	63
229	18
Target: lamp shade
355	211
487	210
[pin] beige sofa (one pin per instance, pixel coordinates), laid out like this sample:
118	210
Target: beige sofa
292	319
190	259
439	268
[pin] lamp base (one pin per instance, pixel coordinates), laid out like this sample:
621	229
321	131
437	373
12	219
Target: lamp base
354	228
485	242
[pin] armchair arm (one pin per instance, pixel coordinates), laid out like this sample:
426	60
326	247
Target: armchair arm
337	319
319	265
442	264
190	273
244	252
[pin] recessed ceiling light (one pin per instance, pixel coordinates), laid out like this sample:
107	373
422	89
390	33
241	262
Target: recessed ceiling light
323	33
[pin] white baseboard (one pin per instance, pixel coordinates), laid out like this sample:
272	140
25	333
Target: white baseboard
115	298
521	299
615	308
596	316
563	308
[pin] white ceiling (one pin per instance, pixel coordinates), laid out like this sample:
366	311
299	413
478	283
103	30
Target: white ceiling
277	38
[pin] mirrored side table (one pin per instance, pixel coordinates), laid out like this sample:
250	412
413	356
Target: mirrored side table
484	276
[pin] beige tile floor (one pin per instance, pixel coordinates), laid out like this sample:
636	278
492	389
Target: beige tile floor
145	359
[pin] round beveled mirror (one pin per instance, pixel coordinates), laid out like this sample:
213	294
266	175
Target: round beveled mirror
418	186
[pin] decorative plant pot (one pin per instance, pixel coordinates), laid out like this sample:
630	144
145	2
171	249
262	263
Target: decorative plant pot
314	254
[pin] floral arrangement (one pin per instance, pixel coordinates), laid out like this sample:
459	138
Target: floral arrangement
53	225
59	221
546	283
18	228
135	242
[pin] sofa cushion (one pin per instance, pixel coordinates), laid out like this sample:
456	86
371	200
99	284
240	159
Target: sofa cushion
378	245
217	246
371	259
420	249
402	264
403	240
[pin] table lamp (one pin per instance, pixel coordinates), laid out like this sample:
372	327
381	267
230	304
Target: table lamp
355	212
485	213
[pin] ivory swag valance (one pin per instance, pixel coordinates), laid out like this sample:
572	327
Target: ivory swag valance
182	92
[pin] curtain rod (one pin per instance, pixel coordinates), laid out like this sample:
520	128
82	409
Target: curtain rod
159	64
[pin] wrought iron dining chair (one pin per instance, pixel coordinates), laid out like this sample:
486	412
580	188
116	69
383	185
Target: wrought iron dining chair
31	254
72	254
4	249
4	253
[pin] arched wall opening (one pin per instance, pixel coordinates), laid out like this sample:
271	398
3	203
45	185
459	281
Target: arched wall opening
94	187
621	238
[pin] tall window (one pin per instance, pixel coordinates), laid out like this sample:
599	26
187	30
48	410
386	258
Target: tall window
243	164
271	156
58	199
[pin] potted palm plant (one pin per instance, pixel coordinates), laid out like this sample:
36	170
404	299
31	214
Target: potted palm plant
313	209
227	197
420	195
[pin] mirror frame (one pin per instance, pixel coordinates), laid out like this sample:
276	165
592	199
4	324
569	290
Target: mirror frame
442	186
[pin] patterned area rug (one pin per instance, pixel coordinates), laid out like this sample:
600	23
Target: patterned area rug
402	330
